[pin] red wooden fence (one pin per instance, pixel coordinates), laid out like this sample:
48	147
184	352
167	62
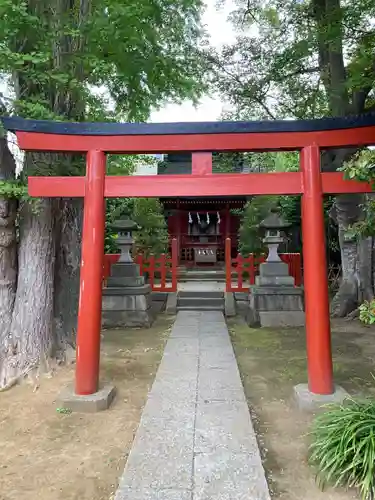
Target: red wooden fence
162	271
235	268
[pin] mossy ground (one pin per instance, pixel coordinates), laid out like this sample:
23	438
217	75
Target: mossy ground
271	362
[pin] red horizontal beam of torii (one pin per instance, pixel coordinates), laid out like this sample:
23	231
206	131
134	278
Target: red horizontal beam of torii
288	183
264	141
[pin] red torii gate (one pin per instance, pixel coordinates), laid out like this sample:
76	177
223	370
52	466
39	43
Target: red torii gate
97	139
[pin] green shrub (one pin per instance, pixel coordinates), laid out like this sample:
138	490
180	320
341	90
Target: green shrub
250	237
343	446
367	312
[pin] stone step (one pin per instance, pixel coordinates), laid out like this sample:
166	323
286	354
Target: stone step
201	293
201	308
194	303
184	269
199	280
204	272
201	277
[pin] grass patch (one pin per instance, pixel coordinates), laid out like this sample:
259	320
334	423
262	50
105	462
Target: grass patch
343	447
271	362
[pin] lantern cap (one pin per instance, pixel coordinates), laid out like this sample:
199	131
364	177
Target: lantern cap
124	225
274	221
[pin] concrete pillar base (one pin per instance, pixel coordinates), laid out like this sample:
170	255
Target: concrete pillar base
230	305
171	307
90	403
306	400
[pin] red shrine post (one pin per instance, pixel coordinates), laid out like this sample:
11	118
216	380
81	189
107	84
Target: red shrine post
319	357
308	136
90	294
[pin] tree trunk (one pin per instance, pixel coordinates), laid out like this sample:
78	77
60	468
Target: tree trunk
356	258
365	266
32	320
8	266
68	227
8	248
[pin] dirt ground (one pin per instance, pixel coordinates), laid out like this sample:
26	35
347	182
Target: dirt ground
48	455
271	362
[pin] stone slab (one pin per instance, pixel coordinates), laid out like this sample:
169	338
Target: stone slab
276	290
220	343
241	296
159	296
167	390
274	269
162	454
230	304
307	400
171	307
274	280
281	302
91	403
180	367
195	440
125	302
275	319
127	290
224	425
216	332
180	333
223	475
216	358
126	493
125	270
125	281
168	408
220	385
186	346
130	319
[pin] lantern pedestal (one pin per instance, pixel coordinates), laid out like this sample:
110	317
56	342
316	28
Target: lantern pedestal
275	306
126	298
274	273
274	301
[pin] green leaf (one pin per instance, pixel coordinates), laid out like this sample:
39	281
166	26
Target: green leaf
342	446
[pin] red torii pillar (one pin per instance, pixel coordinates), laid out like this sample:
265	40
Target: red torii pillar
91	277
95	186
318	331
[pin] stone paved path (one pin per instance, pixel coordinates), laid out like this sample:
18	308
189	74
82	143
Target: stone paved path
195	440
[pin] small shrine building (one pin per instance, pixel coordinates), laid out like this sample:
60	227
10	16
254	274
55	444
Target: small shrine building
200	225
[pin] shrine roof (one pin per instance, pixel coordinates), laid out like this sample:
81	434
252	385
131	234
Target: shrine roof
221	127
233	200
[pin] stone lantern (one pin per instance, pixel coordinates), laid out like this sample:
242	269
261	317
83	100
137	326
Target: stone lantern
126	298
124	229
274	301
275	227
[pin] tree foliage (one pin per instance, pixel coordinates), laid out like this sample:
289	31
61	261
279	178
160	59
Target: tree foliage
152	236
256	209
299	59
362	168
76	60
250	238
307	59
58	52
